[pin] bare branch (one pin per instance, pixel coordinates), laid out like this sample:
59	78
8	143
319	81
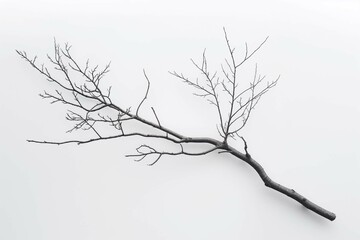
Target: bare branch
93	109
145	151
210	88
252	53
157	119
146	94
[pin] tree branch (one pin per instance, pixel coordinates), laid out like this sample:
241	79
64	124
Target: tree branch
89	103
146	94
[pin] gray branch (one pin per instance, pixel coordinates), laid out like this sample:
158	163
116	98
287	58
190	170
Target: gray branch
88	104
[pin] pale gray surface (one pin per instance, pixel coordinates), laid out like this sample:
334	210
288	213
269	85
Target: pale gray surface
305	132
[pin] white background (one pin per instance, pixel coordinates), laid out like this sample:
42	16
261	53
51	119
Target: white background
305	132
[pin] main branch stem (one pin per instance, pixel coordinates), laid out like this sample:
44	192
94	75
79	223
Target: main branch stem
280	188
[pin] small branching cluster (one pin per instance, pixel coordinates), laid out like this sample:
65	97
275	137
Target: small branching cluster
85	96
240	102
91	107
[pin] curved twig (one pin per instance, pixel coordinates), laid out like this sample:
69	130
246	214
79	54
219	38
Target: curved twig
146	94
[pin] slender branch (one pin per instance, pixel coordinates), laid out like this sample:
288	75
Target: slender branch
146	94
209	90
145	150
253	52
157	119
90	103
232	94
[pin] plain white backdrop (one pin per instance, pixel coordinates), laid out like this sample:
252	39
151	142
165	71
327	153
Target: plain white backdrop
305	132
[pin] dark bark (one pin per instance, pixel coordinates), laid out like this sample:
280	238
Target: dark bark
282	189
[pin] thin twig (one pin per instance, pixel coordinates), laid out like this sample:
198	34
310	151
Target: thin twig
146	94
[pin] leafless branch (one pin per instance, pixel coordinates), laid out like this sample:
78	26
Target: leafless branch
238	108
145	150
146	94
157	119
91	108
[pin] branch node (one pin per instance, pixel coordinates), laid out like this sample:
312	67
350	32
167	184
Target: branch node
246	148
